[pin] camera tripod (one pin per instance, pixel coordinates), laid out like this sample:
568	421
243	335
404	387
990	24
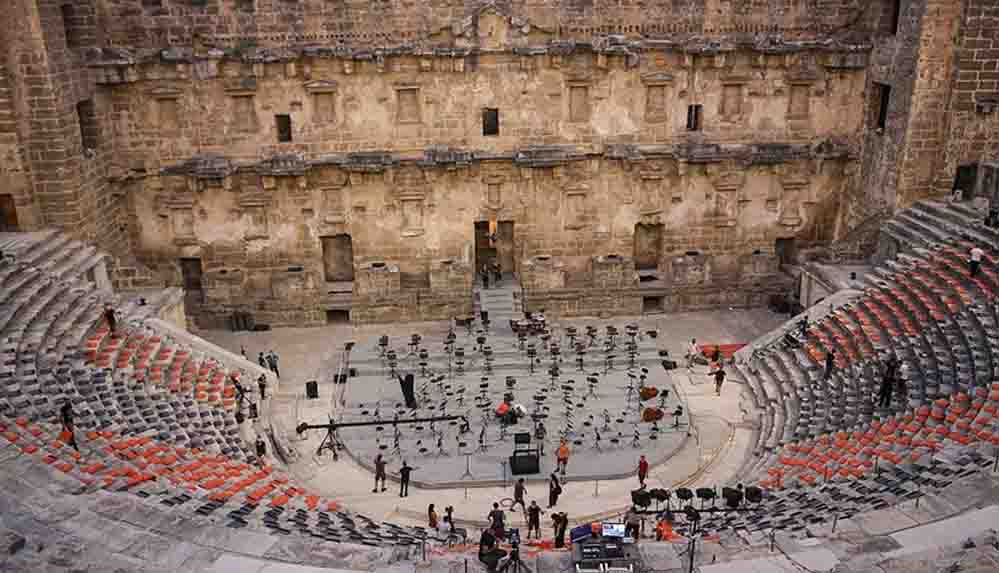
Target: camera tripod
331	442
514	564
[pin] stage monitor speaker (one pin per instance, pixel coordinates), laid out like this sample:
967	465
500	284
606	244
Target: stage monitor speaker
525	464
312	390
353	372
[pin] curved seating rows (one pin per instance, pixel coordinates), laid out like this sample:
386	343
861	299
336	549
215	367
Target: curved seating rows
939	322
154	417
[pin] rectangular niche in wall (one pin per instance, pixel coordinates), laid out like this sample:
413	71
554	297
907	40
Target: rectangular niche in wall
86	114
408	105
731	107
258	228
167	114
183	224
575	209
338	258
494	194
655	103
324	107
412	217
798	101
244	113
579	103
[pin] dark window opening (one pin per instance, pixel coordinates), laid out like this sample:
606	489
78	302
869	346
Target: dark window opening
8	214
69	24
883	94
86	115
966	179
152	3
652	304
893	17
337	317
786	251
490	121
694	117
283	127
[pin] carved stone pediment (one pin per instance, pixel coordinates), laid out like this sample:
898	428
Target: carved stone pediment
795	175
241	85
726	176
163	92
491	26
410	182
327	177
657	78
320	86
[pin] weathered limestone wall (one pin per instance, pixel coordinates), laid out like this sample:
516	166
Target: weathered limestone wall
179	155
261	245
168	111
68	163
161	23
970	129
893	63
15	177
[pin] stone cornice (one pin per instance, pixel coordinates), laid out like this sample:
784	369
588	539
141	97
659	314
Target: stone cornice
744	155
609	45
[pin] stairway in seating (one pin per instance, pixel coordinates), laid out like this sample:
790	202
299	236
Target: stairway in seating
502	302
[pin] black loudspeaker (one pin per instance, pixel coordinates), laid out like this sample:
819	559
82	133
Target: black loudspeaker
525	464
353	372
312	390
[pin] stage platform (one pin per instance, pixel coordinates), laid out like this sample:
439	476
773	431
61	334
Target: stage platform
588	402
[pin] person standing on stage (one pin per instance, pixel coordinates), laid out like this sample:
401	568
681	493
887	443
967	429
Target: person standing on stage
643	470
554	490
534	512
380	473
404	473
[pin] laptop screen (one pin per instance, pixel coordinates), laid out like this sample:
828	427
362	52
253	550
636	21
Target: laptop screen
613	529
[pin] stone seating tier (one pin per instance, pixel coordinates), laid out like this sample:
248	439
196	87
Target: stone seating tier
925	309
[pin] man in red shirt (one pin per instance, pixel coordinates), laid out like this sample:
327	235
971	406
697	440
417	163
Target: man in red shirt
643	470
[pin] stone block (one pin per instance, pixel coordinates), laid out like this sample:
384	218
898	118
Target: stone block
11	542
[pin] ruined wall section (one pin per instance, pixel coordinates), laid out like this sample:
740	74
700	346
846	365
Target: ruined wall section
167	111
45	45
893	63
258	228
391	152
363	23
15	176
924	169
973	113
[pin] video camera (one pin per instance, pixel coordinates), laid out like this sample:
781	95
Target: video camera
513	536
